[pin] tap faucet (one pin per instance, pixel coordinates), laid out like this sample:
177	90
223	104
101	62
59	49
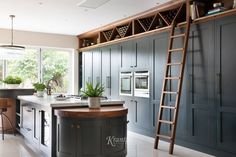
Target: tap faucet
49	87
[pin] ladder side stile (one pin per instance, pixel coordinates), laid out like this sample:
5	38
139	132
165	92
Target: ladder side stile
179	78
175	117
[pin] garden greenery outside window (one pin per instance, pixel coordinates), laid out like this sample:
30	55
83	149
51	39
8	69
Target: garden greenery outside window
41	65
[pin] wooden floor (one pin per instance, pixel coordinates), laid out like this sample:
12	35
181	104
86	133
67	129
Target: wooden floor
138	146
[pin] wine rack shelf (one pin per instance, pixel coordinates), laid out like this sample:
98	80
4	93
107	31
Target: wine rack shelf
156	20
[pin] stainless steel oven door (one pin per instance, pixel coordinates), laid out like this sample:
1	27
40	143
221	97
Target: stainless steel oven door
141	84
126	83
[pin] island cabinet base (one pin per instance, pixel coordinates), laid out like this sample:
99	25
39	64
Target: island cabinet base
91	137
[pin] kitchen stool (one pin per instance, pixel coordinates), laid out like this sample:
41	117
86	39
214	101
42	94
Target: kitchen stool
3	108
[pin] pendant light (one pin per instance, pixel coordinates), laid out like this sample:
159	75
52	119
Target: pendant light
12	46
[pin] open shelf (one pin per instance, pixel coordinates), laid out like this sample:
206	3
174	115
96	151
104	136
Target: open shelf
155	21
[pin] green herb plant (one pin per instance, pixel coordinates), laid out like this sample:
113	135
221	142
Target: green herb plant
12	80
91	91
39	86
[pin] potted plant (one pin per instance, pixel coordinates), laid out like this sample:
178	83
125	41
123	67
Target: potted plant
39	87
12	82
93	94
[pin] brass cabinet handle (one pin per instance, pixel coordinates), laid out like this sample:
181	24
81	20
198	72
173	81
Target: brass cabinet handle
78	126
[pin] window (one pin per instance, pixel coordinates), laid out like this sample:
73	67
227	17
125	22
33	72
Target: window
51	66
1	69
55	69
26	67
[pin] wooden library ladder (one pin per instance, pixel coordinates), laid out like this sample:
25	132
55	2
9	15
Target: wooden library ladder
173	79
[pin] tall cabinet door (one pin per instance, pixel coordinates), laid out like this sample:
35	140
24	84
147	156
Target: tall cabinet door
142	55
127	55
115	68
160	44
200	66
106	70
225	83
87	67
97	58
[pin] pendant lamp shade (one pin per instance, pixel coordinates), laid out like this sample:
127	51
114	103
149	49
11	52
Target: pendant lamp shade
11	51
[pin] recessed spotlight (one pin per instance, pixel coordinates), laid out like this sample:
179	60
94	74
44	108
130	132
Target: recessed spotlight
85	10
40	3
124	15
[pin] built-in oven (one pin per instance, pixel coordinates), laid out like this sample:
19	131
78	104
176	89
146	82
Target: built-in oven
126	83
141	84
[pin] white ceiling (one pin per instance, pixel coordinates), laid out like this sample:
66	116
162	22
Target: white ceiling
65	17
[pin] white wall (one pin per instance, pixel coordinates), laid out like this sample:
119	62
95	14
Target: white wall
26	38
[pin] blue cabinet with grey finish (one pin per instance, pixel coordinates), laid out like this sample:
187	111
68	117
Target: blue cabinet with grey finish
91	137
200	91
225	83
97	68
87	67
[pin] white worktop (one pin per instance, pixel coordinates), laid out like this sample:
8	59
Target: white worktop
50	101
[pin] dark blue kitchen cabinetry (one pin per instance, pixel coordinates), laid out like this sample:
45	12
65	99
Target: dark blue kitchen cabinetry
97	68
106	70
200	92
87	67
128	55
136	54
110	70
207	113
115	69
89	137
225	77
159	47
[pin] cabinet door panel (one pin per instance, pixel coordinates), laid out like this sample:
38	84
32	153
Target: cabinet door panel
27	122
142	55
65	138
115	128
143	113
87	68
97	58
132	116
36	125
225	86
127	55
91	130
106	70
199	77
115	64
160	51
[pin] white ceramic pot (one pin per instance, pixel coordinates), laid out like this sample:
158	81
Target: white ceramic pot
12	86
40	93
94	102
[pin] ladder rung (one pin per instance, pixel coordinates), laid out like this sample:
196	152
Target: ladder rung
168	107
171	64
169	92
165	121
172	78
178	36
164	136
176	50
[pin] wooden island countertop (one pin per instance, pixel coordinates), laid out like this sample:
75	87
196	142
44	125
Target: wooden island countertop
103	112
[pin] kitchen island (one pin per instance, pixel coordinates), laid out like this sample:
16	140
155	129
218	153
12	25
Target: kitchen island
83	132
38	123
11	95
